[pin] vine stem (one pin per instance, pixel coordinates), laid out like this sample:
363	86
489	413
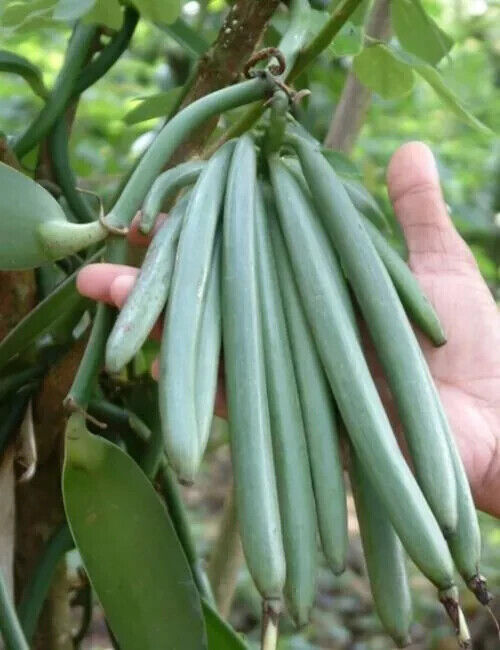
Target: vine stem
324	37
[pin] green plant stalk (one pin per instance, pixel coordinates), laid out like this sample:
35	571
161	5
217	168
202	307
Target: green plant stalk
322	40
78	48
36	590
63	173
277	123
109	55
58	138
10	627
93	358
85	378
14	382
173	134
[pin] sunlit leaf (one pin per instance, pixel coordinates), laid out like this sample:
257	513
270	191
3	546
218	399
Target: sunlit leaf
154	106
448	97
161	11
348	41
106	12
18	14
417	32
190	40
380	70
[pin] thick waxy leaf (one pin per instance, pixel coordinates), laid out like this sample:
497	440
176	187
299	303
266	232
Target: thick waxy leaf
129	547
380	70
220	635
417	32
24	207
158	105
45	318
190	40
16	64
106	12
161	11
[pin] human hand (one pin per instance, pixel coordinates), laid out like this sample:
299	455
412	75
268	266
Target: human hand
467	369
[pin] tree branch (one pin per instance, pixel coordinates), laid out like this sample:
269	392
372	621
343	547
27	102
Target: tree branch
221	65
355	99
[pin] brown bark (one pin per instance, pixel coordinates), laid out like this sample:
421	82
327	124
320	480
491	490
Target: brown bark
17	298
39	503
355	99
222	64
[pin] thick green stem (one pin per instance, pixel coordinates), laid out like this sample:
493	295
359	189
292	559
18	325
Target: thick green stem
325	36
62	238
92	361
79	46
10	627
109	55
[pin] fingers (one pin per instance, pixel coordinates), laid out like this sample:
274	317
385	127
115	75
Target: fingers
96	281
415	192
136	237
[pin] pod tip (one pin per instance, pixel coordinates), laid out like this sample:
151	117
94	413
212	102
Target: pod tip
449	600
479	587
271	610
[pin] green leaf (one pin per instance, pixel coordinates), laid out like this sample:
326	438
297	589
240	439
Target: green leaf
16	64
106	12
341	163
380	70
72	9
417	32
348	41
220	635
448	97
24	208
45	319
21	14
159	11
129	547
153	106
190	40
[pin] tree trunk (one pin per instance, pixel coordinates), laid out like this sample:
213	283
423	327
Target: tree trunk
355	99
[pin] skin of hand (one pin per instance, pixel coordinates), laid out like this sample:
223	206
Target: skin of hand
467	369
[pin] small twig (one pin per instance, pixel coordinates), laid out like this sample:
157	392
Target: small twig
72	407
270	622
263	55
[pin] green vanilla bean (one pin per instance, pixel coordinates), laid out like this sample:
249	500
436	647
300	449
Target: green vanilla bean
173	134
78	48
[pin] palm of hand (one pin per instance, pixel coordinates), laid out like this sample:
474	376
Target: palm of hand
467	368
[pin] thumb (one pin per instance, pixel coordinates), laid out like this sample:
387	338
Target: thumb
413	184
